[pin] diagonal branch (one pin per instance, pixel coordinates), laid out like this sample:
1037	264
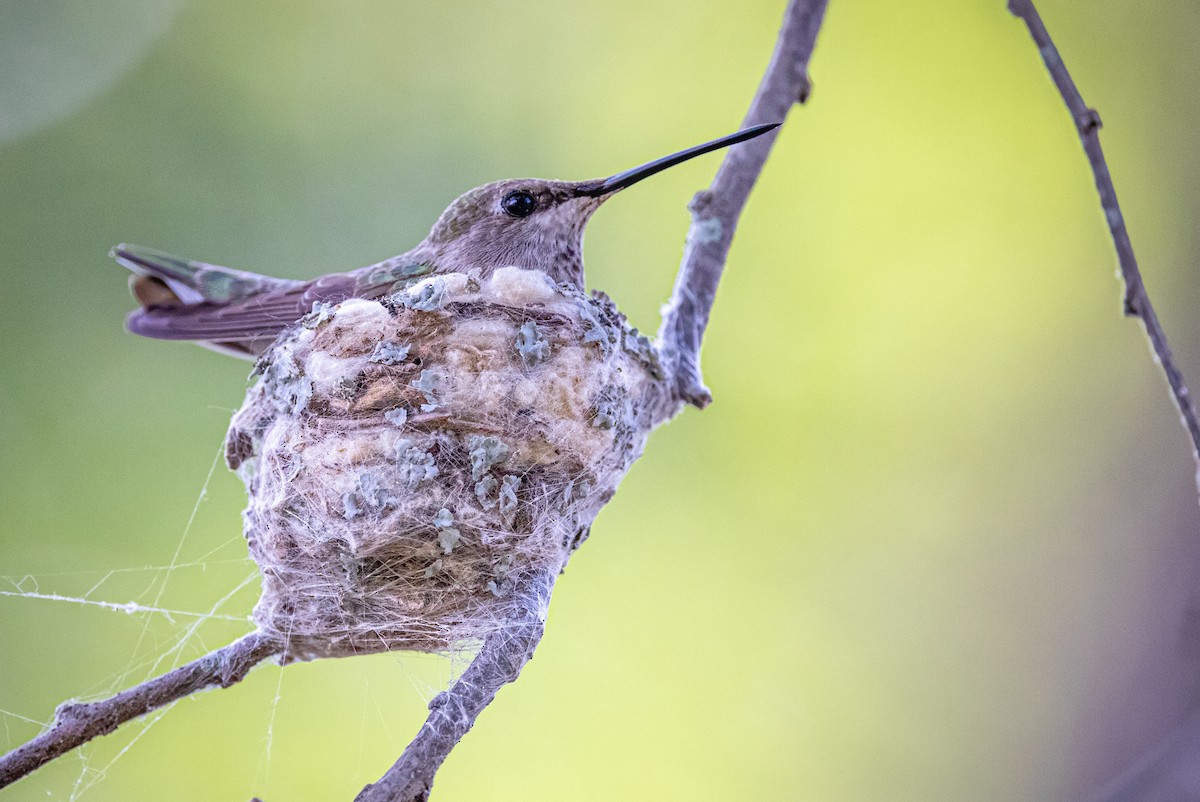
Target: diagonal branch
452	713
1137	302
715	211
76	723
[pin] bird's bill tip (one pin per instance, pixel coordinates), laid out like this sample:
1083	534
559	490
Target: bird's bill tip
630	177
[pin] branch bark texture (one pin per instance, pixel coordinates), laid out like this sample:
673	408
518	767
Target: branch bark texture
1137	301
76	723
715	211
453	712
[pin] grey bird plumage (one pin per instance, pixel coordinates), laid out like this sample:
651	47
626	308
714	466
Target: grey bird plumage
534	223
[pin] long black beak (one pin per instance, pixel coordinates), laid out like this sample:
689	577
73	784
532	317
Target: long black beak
630	177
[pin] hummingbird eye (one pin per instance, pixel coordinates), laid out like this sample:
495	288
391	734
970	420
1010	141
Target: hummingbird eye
518	203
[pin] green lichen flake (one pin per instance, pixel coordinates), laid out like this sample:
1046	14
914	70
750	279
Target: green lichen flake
531	345
389	353
485	452
414	464
429	383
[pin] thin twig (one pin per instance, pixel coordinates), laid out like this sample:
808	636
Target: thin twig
715	211
1137	302
453	712
76	723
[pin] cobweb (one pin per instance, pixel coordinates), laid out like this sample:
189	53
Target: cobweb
164	631
198	597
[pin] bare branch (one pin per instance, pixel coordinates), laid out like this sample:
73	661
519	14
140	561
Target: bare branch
76	723
1137	302
715	211
452	713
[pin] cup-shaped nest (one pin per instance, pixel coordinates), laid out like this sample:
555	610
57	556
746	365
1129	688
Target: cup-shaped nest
408	458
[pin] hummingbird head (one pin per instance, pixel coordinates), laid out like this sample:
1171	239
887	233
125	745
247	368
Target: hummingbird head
538	223
527	222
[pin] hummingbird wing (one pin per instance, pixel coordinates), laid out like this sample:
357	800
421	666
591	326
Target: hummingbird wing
253	318
234	311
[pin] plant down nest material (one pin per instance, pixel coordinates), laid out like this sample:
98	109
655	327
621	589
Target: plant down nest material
408	458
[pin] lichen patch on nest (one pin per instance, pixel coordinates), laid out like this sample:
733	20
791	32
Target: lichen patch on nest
406	458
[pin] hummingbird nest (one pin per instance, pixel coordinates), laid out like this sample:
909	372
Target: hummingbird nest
408	458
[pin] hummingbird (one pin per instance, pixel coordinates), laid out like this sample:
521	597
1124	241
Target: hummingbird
533	223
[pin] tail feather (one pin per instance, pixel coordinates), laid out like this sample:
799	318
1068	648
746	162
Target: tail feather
194	282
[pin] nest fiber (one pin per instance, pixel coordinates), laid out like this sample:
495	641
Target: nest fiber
408	458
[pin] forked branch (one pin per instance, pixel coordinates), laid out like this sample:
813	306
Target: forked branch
76	723
1137	302
715	211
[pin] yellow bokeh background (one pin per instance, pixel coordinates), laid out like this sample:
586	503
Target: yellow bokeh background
936	539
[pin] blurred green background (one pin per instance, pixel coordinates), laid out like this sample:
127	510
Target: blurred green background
937	538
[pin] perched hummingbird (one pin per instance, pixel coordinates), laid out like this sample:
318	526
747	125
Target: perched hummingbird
533	223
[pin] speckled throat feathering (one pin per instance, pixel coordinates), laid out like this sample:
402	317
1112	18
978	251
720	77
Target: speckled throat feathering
425	431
